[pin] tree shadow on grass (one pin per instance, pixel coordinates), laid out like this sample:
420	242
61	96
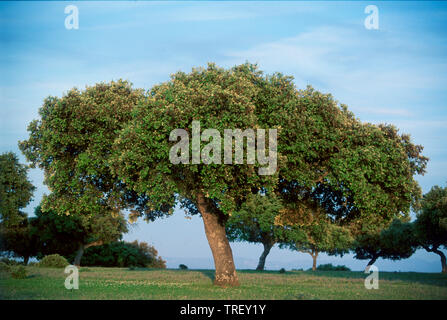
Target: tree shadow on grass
207	273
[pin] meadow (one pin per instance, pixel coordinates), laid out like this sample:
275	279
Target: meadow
165	284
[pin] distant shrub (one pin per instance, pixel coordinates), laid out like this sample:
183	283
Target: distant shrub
282	270
9	262
4	267
182	267
18	272
124	255
33	264
53	261
330	267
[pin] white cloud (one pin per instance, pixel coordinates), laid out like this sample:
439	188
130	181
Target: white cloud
348	59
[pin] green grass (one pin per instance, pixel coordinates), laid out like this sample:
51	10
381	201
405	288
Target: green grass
122	283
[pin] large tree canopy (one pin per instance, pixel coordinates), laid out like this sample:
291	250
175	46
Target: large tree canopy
97	152
15	190
72	143
319	142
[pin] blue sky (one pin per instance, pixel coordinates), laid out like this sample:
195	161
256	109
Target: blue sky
396	74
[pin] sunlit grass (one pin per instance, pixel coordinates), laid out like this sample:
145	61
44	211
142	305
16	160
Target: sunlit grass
122	283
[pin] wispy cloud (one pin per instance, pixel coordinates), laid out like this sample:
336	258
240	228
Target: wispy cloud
349	58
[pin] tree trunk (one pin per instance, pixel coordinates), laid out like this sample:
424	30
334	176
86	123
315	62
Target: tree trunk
443	260
371	262
261	264
214	222
81	249
25	260
314	255
77	261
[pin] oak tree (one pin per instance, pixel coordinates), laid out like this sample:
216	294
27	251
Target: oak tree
67	234
319	142
16	190
431	233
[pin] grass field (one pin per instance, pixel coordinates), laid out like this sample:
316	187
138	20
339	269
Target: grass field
123	283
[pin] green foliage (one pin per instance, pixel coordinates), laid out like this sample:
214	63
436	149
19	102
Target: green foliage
430	224
395	242
15	190
9	262
19	240
282	270
107	148
72	143
63	234
53	261
431	217
182	267
18	272
123	254
4	267
255	221
330	267
318	235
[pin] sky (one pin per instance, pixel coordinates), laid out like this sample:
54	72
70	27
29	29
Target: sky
394	74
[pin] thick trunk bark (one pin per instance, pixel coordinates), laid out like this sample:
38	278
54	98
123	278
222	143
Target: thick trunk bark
214	222
261	264
314	255
371	262
25	260
443	260
77	261
79	253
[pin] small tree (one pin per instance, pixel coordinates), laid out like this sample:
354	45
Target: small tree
255	223
313	232
18	240
15	190
395	242
431	233
65	234
123	254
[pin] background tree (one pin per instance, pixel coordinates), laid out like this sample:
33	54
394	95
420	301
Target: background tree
123	254
15	190
255	223
394	242
313	232
430	231
67	234
72	143
19	241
